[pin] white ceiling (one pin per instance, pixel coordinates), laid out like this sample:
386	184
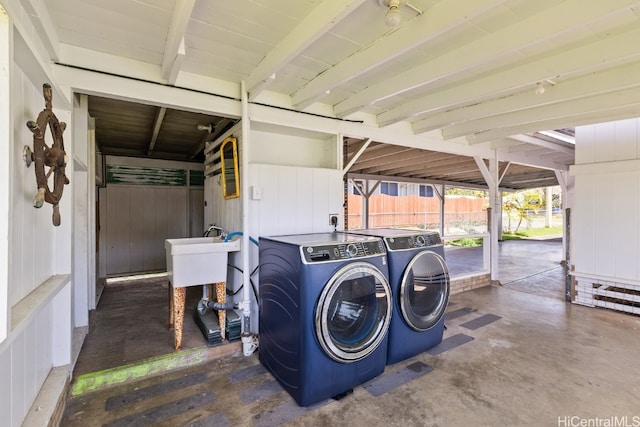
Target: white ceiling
466	69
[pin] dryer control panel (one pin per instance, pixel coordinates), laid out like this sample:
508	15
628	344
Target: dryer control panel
342	251
398	243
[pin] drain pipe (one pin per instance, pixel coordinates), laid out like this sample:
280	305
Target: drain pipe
248	343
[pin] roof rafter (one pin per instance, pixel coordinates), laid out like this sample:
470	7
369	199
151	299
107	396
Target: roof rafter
437	20
321	20
174	50
537	29
577	61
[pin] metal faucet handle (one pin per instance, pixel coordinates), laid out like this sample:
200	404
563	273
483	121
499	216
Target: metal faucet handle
220	230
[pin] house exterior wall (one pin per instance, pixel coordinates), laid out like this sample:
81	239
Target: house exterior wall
605	219
39	264
299	189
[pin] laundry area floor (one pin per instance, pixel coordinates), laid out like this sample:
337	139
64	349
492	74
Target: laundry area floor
509	357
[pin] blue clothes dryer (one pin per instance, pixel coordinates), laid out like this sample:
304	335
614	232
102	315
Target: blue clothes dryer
420	286
325	310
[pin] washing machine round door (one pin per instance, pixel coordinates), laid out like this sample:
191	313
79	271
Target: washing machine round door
353	312
424	290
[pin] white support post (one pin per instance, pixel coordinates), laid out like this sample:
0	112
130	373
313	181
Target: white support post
248	344
492	177
6	127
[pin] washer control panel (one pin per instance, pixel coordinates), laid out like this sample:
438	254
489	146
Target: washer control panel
398	243
342	251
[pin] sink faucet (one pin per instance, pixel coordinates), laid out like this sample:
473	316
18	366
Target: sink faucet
220	230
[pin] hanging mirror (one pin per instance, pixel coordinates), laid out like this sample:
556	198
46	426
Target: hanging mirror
229	162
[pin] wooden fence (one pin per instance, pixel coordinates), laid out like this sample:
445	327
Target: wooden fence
461	212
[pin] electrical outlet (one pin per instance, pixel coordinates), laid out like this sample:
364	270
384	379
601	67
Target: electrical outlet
333	220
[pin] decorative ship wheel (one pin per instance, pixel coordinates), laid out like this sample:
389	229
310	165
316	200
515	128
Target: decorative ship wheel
53	157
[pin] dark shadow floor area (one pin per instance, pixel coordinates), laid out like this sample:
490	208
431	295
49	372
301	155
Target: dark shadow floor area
131	324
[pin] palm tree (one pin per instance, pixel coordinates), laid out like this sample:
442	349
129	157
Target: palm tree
520	205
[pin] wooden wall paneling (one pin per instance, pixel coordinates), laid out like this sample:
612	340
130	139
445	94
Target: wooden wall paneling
177	199
605	142
604	205
161	220
287	187
196	212
117	237
626	137
625	222
18	373
137	232
44	343
322	186
6	388
583	224
585	144
147	243
303	208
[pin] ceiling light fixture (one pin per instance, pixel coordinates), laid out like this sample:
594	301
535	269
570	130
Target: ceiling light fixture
393	16
541	86
209	128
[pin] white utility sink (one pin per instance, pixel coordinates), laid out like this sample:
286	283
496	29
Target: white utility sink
198	260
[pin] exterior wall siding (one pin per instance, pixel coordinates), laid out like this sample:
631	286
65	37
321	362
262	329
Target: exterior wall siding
605	226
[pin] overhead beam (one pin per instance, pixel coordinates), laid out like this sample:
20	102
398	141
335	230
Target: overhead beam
356	156
563	147
315	25
157	124
415	180
172	58
601	82
439	19
587	105
44	26
537	29
620	48
569	120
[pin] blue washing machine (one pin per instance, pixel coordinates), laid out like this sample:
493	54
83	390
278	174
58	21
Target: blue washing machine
325	309
420	286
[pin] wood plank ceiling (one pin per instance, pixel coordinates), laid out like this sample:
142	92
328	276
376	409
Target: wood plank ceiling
483	74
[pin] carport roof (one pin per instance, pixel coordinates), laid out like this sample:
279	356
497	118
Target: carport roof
380	161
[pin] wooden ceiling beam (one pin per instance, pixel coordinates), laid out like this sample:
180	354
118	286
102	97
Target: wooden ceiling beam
534	30
312	27
569	62
443	16
600	82
174	50
157	124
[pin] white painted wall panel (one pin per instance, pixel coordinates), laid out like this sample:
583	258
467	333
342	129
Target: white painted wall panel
583	224
604	224
5	388
605	142
37	251
44	343
138	220
606	233
18	384
585	144
31	384
289	150
626	139
625	252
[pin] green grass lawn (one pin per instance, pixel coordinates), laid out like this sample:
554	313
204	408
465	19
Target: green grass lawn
521	234
534	232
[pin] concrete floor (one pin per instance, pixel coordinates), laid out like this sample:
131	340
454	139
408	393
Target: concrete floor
539	360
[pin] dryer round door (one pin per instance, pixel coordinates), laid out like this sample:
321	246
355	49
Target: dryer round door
424	290
353	312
